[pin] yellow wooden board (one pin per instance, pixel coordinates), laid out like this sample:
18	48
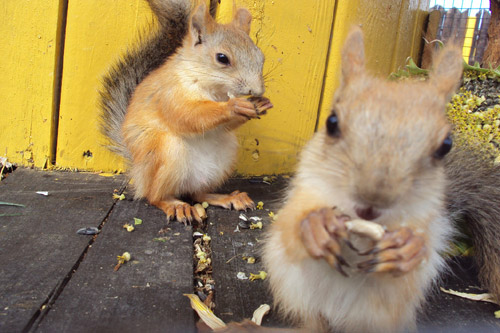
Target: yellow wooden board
28	48
469	35
392	30
97	33
294	36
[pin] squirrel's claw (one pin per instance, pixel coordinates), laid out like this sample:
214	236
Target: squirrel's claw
195	215
236	200
183	214
261	104
321	232
401	251
176	210
395	239
242	201
170	212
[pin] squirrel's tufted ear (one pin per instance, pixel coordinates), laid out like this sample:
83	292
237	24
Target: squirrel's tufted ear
242	19
200	23
353	55
447	70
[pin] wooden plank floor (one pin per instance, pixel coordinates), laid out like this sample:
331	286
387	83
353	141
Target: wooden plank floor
53	280
236	299
40	248
146	294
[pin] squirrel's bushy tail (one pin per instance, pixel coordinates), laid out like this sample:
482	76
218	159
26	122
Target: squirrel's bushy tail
151	51
474	198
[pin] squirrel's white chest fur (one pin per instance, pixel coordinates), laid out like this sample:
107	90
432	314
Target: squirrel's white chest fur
209	157
358	303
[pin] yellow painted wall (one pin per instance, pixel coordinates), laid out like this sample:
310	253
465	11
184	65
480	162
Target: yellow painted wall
301	41
29	33
97	32
295	43
393	30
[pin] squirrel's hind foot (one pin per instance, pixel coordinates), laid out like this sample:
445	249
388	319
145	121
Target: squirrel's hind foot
179	211
236	200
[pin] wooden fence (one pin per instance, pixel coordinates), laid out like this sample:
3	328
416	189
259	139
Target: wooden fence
470	32
55	52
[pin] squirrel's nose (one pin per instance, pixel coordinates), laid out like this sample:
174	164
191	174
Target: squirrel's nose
257	91
367	213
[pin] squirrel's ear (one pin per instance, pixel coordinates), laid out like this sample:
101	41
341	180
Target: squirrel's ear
242	19
447	70
353	55
200	23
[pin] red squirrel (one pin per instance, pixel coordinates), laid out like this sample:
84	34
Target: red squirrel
380	158
171	107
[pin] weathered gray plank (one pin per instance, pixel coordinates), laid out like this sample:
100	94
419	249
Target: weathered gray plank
454	26
448	313
431	35
461	28
482	39
237	299
450	17
145	294
40	247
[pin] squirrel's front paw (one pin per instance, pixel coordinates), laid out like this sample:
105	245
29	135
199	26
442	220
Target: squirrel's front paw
249	108
398	252
241	107
321	231
261	104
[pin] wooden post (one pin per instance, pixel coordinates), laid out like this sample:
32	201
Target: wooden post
492	52
431	35
483	36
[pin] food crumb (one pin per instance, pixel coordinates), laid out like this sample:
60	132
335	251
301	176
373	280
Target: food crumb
129	227
122	259
119	197
257	225
261	276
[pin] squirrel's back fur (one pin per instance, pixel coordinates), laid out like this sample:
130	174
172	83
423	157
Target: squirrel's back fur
124	76
473	194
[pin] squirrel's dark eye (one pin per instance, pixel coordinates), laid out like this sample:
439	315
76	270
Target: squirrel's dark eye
444	148
222	58
332	125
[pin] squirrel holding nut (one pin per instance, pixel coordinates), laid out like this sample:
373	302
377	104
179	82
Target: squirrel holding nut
171	105
357	245
380	159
